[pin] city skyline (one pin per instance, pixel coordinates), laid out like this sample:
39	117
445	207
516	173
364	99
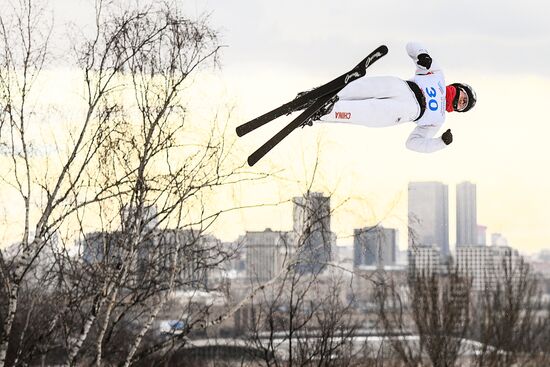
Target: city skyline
346	239
375	246
501	236
436	191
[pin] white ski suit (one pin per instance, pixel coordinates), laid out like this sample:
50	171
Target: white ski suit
387	101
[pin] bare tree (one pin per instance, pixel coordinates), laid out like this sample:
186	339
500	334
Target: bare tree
539	350
21	60
395	319
440	307
507	317
303	321
131	169
305	315
435	308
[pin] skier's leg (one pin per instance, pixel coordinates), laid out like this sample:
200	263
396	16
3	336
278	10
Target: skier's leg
375	112
373	87
394	103
369	112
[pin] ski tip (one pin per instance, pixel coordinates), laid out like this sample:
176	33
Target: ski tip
252	160
383	49
239	131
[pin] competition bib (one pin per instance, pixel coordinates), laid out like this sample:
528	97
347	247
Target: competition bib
433	88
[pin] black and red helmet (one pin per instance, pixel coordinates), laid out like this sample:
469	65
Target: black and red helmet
472	98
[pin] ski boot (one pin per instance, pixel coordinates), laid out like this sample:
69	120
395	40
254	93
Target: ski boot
305	105
325	110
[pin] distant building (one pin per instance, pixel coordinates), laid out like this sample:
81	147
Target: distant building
375	246
466	214
314	240
485	265
481	235
477	262
429	216
102	247
424	260
237	251
266	252
194	253
157	255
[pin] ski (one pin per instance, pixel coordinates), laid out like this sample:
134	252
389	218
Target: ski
284	132
298	103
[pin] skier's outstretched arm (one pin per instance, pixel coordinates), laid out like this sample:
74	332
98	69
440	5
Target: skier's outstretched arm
422	59
422	139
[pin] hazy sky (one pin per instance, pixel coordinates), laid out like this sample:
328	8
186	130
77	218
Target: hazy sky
278	48
502	48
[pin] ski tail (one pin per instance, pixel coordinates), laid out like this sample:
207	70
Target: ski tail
329	88
297	122
289	107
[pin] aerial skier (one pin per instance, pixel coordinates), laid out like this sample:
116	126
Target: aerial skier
382	101
376	102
